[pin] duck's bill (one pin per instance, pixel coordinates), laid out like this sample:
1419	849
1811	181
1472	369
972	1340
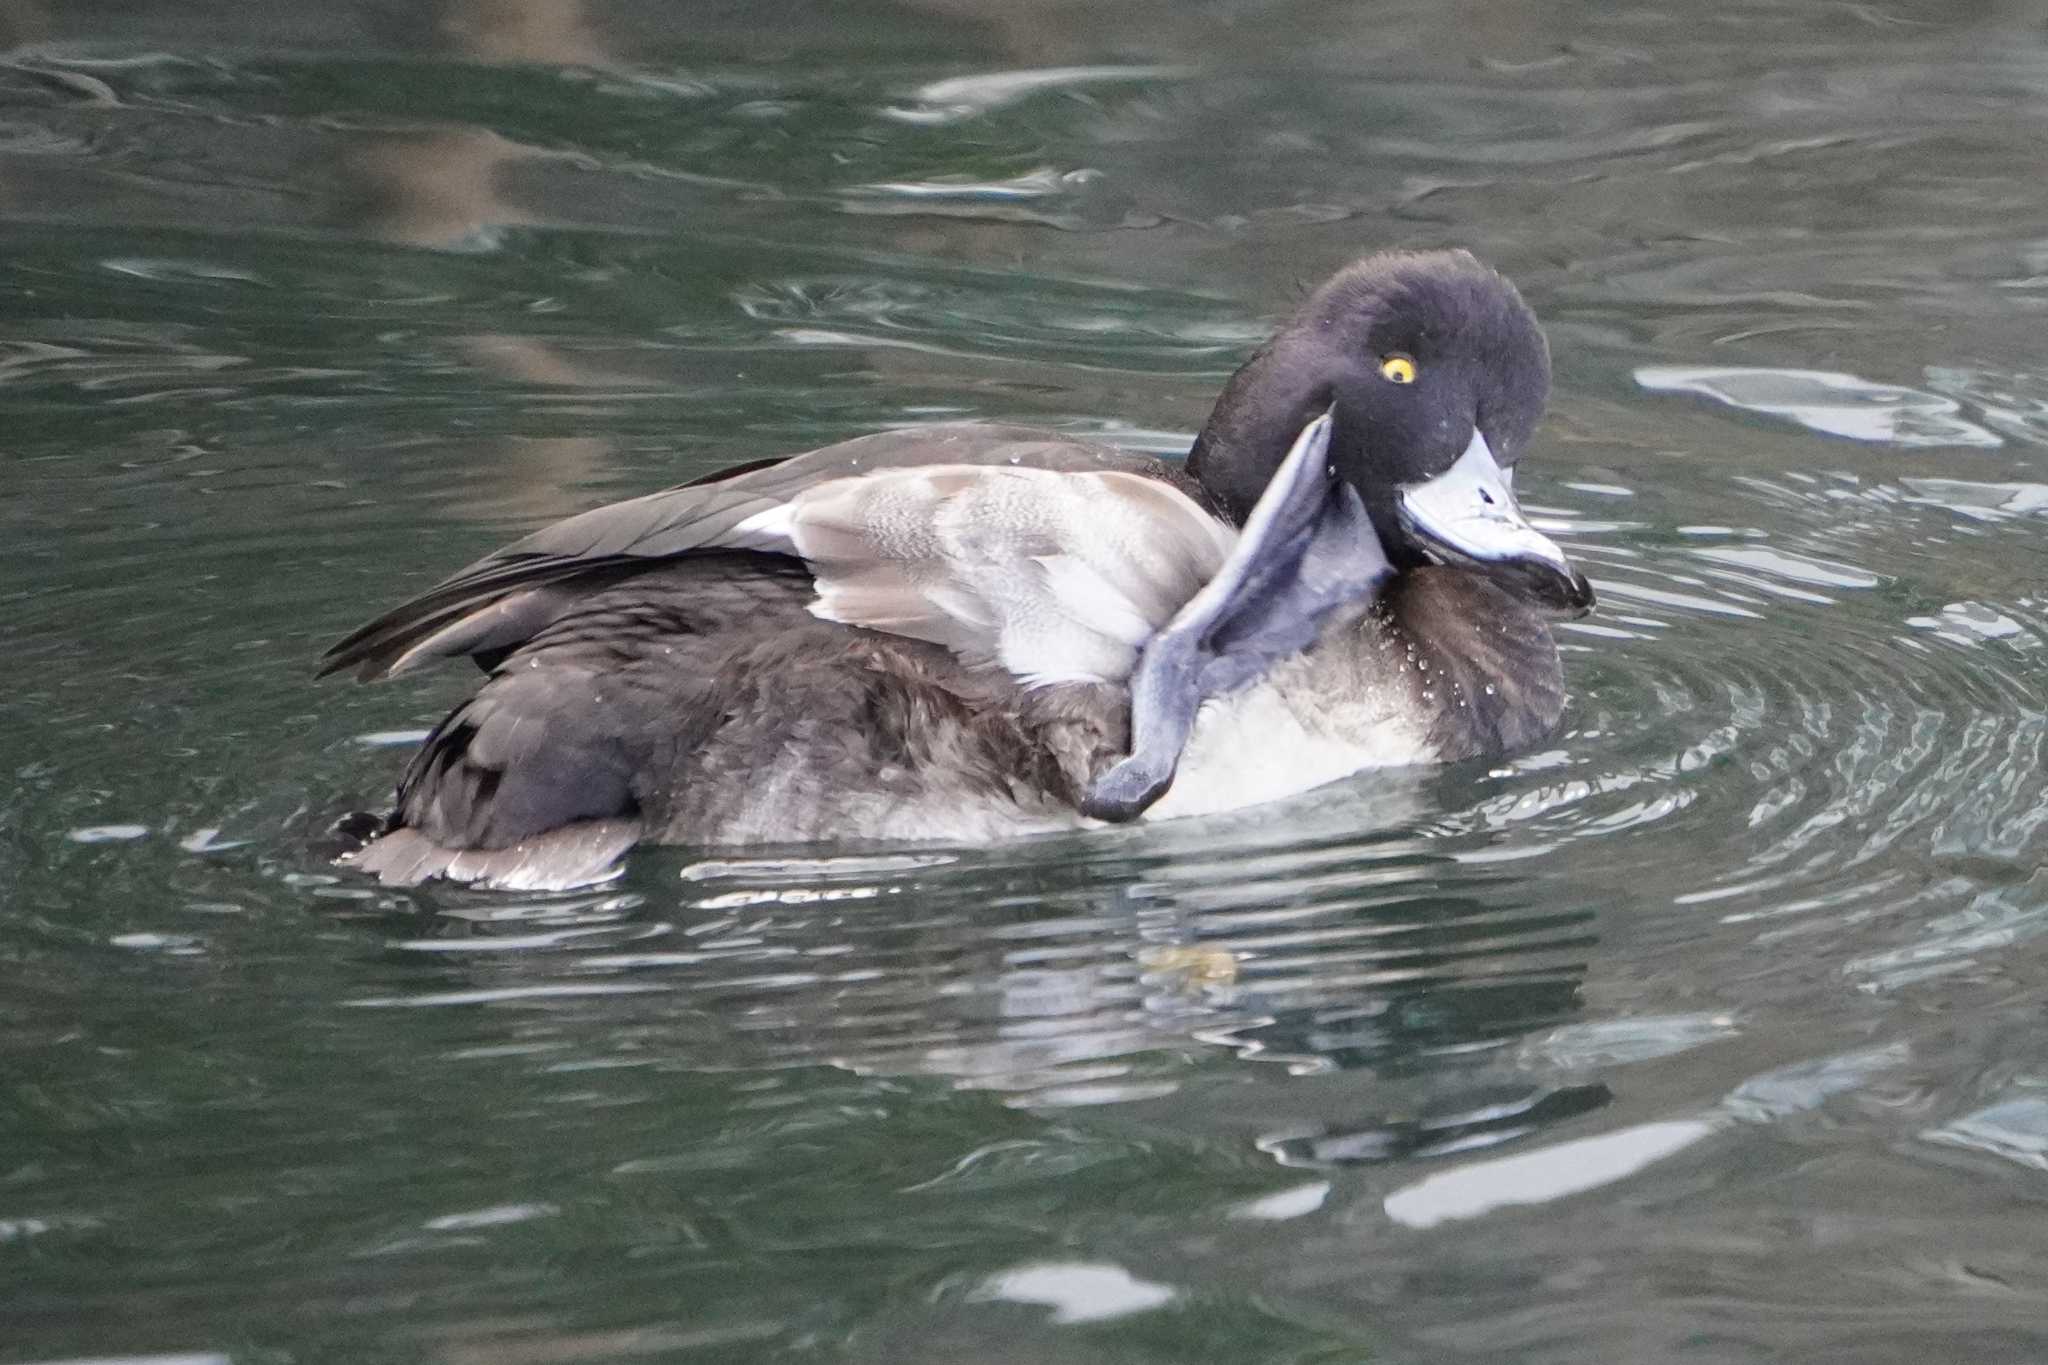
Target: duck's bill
1467	515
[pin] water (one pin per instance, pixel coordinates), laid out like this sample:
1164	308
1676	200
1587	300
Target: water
1712	1031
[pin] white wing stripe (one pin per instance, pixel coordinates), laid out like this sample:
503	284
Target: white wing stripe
772	530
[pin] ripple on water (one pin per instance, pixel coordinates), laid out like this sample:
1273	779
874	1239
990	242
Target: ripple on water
2013	403
958	98
1769	675
1074	200
1088	981
2015	1128
1006	317
1882	754
1830	403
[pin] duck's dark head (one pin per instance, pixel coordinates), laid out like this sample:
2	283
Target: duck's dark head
1435	374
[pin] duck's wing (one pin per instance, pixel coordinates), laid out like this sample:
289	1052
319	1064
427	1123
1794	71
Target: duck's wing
505	598
1053	577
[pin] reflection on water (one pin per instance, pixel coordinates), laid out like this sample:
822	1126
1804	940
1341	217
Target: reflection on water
1075	989
1834	404
1710	1028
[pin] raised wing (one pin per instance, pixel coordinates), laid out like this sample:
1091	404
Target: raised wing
504	599
1054	577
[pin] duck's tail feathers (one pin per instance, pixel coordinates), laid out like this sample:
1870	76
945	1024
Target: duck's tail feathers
579	854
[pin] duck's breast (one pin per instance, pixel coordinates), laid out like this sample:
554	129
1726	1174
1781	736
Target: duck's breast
1339	708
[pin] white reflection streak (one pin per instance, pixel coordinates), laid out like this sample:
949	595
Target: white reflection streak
1076	1291
1828	402
1554	1172
963	97
1568	1168
1295	1203
2015	1129
499	996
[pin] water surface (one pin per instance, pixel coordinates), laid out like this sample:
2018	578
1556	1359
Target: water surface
1711	1031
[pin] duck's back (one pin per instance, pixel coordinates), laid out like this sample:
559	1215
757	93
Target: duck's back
511	595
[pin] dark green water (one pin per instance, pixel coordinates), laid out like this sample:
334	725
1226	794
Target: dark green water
1716	1031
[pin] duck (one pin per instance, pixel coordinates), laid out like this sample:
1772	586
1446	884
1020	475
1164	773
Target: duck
966	632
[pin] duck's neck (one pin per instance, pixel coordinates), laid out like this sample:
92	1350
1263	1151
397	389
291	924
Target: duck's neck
1255	422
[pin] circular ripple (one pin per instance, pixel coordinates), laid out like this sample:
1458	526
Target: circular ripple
1768	732
1815	735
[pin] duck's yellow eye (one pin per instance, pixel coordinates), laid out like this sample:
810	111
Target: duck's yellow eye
1398	368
